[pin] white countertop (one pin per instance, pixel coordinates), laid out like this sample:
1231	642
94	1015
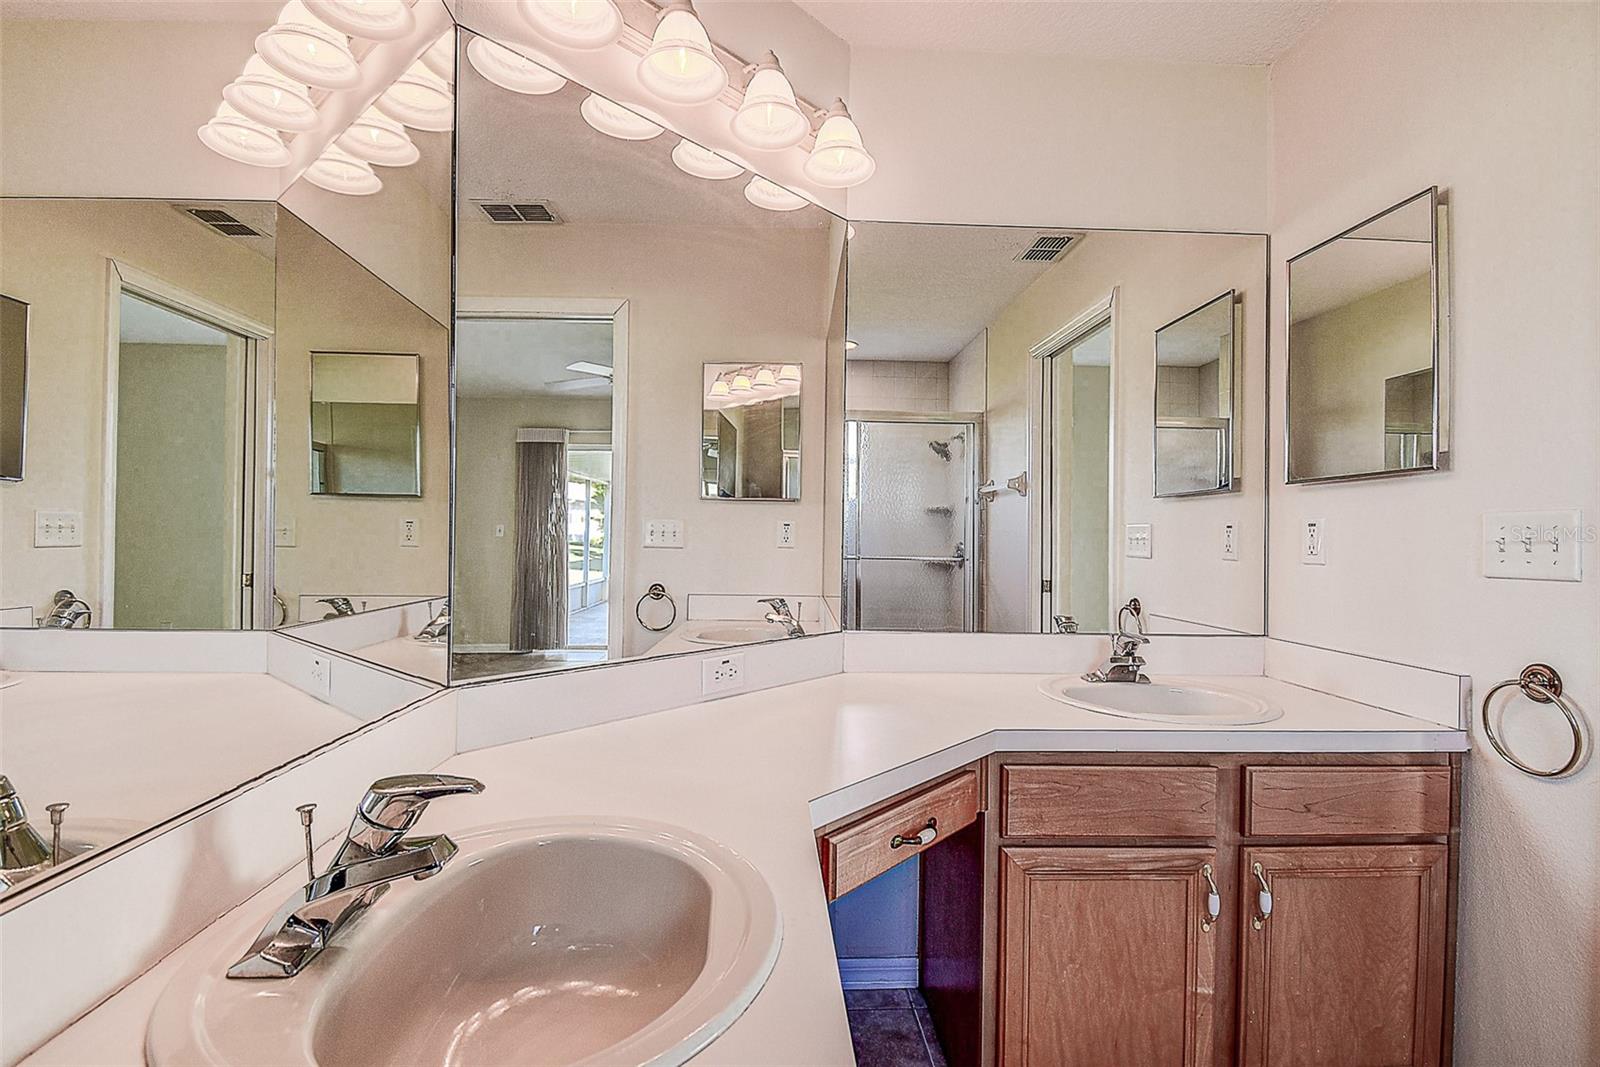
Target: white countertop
422	659
759	772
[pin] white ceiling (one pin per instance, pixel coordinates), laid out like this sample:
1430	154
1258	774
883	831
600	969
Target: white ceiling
922	292
1196	339
1347	270
1220	31
526	357
143	323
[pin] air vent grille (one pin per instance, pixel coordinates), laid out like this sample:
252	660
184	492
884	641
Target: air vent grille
520	212
1046	248
223	222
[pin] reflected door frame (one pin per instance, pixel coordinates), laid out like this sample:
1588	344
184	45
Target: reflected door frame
252	554
1041	503
608	309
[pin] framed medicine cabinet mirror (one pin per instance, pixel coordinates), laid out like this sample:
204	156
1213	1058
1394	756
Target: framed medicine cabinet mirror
750	432
1196	393
1369	353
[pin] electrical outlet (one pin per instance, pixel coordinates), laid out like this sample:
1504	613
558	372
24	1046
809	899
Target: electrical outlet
724	674
1313	543
57	529
1539	545
1230	542
786	533
663	533
500	529
283	533
410	533
320	676
1138	541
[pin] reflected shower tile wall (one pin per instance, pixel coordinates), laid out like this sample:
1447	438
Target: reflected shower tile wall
897	385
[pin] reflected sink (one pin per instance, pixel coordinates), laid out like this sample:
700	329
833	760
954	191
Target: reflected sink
574	943
1181	703
737	634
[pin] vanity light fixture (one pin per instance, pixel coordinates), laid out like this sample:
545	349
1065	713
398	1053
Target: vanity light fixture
377	138
741	384
582	24
789	374
420	99
720	390
770	117
765	379
849	231
441	57
839	160
243	140
680	66
772	196
701	162
266	96
849	346
614	120
375	20
302	47
511	70
339	172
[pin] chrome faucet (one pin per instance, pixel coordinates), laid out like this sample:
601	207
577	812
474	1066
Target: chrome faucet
340	604
1125	664
781	615
375	852
66	609
23	852
438	629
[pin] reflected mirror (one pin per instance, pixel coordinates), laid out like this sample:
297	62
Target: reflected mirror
1367	353
750	432
1195	384
365	433
13	386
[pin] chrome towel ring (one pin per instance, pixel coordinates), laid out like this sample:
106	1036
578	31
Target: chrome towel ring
657	591
1541	684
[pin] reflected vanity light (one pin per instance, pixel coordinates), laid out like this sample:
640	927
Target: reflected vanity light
264	95
720	390
243	140
773	197
680	66
511	70
770	117
741	384
580	24
339	172
375	20
700	162
839	160
420	99
849	346
614	120
765	379
377	138
789	374
440	58
302	47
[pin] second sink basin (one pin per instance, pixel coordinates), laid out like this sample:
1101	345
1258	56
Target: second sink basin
736	634
1181	703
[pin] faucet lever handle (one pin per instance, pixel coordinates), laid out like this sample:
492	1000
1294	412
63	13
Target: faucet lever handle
394	803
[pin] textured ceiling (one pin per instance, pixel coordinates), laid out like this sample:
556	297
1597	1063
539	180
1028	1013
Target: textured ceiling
1213	31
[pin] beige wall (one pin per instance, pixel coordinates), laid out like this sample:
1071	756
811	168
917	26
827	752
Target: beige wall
327	302
968	389
1497	104
54	254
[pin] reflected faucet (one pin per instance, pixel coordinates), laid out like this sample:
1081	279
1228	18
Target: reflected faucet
23	852
375	852
437	630
66	609
781	615
1125	664
340	604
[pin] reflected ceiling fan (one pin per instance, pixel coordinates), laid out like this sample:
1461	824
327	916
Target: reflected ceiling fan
594	378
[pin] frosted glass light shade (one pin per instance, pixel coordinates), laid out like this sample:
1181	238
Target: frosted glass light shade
789	375
765	379
770	117
839	160
302	47
581	24
614	120
339	172
510	70
680	65
772	196
377	138
375	20
420	99
704	163
440	58
243	140
266	96
719	389
741	384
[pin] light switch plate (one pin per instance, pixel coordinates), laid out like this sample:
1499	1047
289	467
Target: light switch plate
663	533
724	674
1137	540
283	533
1314	543
1230	542
57	529
499	529
410	533
786	533
1545	546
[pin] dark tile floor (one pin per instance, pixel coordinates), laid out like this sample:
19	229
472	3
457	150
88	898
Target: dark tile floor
891	1028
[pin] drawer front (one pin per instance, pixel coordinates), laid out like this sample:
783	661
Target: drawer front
1346	801
1121	801
862	850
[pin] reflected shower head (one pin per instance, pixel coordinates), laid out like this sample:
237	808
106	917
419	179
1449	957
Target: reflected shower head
941	449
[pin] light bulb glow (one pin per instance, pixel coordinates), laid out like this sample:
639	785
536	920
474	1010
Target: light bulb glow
305	49
680	65
339	172
377	138
511	70
741	384
375	20
243	139
719	389
580	24
765	379
839	160
771	196
789	375
266	96
420	99
703	163
770	117
614	120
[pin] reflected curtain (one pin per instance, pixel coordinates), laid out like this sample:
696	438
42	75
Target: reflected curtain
539	597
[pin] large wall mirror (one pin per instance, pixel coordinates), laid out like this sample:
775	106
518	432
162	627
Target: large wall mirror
1369	348
13	386
1044	423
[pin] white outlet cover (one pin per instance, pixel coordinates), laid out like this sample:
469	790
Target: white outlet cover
283	533
500	529
722	674
1138	541
1230	542
786	533
410	533
1544	546
1314	543
320	676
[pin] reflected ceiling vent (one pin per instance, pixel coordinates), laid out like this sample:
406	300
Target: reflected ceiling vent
522	211
1047	248
223	222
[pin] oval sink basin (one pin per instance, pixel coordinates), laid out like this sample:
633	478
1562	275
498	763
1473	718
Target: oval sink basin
1179	703
625	943
737	634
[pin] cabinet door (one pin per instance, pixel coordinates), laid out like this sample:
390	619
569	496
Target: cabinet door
1348	967
1108	956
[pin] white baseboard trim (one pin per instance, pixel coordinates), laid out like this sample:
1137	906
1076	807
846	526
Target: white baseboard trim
882	972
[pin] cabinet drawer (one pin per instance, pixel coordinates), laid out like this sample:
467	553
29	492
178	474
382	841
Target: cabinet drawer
862	850
1346	801
1120	801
